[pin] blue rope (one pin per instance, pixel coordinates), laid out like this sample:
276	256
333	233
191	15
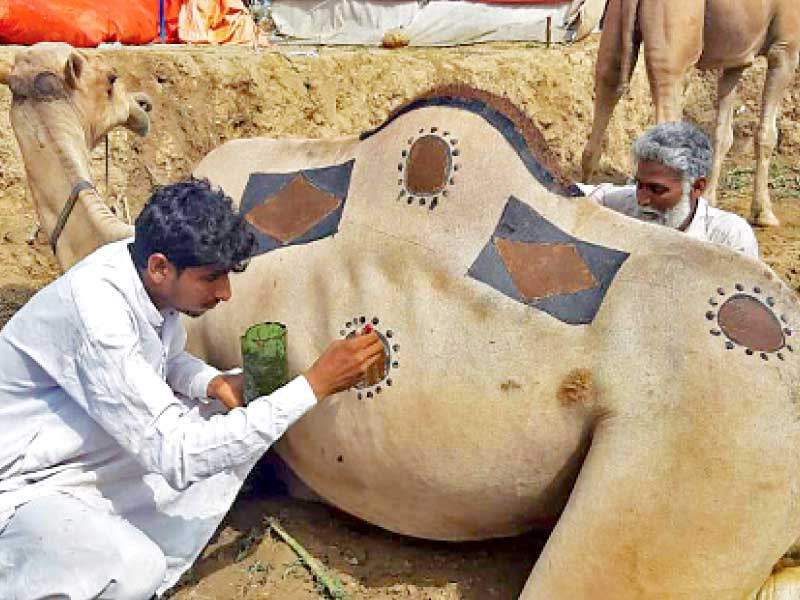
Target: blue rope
162	25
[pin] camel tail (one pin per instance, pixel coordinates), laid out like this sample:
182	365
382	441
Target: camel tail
627	36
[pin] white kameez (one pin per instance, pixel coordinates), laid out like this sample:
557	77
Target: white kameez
709	224
89	372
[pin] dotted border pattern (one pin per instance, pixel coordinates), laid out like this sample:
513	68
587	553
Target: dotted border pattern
431	200
391	349
767	301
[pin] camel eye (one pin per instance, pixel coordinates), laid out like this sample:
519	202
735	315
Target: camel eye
111	79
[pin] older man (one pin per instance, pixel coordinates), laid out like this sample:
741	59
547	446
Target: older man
673	161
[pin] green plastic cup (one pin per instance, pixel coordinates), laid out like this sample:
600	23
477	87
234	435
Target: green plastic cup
264	359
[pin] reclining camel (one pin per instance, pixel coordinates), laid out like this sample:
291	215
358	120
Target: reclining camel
548	362
718	34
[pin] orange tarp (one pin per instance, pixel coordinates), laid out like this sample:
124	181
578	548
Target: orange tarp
85	23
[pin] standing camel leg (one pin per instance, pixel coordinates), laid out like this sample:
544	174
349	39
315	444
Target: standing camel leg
610	84
666	92
723	134
781	64
669	55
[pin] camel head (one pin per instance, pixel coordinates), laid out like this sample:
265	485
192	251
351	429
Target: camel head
55	75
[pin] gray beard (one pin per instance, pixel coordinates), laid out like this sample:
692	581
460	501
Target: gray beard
672	217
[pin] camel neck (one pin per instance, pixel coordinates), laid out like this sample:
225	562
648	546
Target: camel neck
56	157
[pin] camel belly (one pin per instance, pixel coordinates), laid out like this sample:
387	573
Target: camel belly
467	435
441	466
735	33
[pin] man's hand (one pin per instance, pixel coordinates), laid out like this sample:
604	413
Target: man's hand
228	389
344	363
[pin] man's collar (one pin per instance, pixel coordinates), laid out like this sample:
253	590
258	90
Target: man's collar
697	226
154	316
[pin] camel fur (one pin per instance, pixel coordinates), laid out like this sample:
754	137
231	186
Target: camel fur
665	455
719	34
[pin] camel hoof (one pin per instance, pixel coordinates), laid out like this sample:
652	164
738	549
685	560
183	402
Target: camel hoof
784	585
764	219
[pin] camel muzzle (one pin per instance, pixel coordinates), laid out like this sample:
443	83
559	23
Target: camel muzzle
138	118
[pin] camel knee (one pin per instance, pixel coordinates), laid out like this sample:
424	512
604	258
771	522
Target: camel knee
782	56
767	139
609	84
589	161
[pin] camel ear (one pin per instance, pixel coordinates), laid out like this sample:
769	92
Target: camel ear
73	69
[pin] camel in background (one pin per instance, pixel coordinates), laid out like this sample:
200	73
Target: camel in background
549	362
716	34
64	102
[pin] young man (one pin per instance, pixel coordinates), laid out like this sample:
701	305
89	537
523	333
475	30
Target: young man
113	472
673	161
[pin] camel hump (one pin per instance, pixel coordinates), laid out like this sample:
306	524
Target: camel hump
514	124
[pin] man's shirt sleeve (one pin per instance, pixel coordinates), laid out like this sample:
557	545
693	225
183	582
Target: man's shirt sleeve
187	374
122	392
733	231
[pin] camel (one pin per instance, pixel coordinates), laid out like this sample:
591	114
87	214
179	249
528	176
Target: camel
549	363
719	34
64	102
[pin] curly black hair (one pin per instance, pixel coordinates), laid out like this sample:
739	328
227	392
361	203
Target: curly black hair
193	225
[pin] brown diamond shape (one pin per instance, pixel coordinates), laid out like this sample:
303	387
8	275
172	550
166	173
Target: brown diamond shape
295	209
542	270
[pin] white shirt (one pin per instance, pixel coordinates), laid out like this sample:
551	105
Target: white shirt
89	369
709	224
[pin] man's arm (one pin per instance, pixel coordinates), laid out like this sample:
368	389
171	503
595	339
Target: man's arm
729	229
122	392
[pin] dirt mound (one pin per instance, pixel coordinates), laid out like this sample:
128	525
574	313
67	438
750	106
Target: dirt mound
206	96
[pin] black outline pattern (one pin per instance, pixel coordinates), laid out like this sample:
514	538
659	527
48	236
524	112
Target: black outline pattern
334	180
521	223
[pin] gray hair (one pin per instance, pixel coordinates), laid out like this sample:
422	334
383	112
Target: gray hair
679	146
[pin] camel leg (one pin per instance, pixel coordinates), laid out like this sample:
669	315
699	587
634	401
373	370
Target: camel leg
666	92
660	511
780	71
723	134
609	87
669	55
783	585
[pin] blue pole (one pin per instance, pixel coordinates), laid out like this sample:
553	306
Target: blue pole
162	25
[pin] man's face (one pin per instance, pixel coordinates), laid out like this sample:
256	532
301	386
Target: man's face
657	187
192	292
198	289
661	196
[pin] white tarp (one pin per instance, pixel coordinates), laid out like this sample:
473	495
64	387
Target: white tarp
430	23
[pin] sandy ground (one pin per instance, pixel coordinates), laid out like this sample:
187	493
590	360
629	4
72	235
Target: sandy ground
203	97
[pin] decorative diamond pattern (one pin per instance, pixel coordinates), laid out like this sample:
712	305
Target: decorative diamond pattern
293	210
542	270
